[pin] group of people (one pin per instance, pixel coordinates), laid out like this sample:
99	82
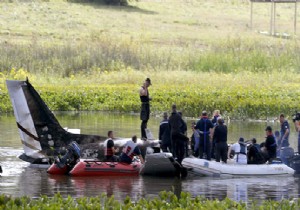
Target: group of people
209	139
130	149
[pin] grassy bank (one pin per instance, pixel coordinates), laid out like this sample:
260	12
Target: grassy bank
165	200
64	38
199	54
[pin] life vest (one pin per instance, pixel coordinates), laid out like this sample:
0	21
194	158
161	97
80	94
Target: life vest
128	149
242	149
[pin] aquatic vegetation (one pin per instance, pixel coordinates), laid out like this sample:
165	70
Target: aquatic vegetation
165	200
236	100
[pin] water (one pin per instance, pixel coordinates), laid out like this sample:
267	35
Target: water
18	179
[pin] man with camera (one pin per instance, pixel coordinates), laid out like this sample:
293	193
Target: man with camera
296	120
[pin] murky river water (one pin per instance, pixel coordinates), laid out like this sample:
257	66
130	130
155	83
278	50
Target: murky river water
18	179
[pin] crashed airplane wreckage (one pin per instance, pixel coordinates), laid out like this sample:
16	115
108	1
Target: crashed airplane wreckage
42	136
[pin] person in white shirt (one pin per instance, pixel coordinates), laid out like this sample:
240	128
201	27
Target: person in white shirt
240	152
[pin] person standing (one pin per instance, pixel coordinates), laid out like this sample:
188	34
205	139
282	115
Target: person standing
214	120
184	131
270	144
204	127
220	139
177	137
284	131
109	148
145	107
297	127
164	134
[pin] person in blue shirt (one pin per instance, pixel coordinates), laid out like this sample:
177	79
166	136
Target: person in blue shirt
284	131
164	134
204	127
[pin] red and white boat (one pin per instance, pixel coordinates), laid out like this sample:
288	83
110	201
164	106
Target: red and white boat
96	168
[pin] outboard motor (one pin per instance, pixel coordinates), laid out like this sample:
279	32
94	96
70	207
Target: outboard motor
71	157
286	154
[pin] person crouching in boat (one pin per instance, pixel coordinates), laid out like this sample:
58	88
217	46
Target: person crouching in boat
130	150
255	155
270	144
109	148
240	151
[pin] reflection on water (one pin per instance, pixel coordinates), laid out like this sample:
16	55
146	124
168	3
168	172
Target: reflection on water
18	179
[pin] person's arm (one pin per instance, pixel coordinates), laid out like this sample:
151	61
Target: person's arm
143	91
142	159
287	131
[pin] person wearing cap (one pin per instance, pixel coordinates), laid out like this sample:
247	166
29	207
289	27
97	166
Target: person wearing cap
270	144
164	134
284	131
145	107
240	151
204	127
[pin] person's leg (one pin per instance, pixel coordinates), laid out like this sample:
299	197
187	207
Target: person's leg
223	152
208	148
197	143
181	145
144	117
143	127
217	151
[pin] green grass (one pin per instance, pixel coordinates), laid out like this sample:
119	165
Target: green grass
199	54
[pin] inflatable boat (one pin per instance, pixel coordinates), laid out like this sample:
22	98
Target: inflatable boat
97	168
162	164
212	168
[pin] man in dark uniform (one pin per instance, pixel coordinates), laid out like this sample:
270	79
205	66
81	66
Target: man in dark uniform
284	131
145	108
177	137
164	134
270	144
204	127
220	139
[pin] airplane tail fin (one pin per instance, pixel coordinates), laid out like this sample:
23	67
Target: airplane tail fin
40	132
